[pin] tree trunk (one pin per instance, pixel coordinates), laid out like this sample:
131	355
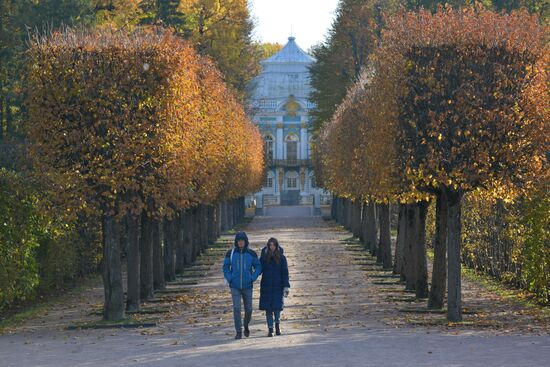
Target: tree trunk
188	235
336	201
385	237
218	220
146	249
341	211
158	256
364	225
349	214
410	245
179	238
235	212
1	118
230	215
197	236
203	212
113	308
356	220
133	299
398	267
371	228
421	287
225	216
379	236
439	271
242	209
344	212
215	224
454	297
211	224
170	245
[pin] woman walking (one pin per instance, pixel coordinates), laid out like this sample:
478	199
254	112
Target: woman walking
274	285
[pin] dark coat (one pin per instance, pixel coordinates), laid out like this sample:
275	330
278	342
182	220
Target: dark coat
274	280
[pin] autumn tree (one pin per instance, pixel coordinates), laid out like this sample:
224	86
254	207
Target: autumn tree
353	36
470	117
166	13
359	160
465	110
137	127
223	29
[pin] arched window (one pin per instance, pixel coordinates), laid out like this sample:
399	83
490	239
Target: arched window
312	183
269	180
291	147
292	180
268	148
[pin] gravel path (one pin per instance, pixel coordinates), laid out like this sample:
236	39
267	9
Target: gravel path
342	311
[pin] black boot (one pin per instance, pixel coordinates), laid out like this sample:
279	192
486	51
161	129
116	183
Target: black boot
270	334
246	331
277	329
239	335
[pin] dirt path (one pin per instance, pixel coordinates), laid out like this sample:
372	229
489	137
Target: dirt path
342	310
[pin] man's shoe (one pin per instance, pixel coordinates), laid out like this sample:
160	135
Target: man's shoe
270	334
246	331
239	335
277	329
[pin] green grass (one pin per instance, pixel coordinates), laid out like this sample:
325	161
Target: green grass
503	290
42	306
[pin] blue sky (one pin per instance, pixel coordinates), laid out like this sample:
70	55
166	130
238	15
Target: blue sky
309	20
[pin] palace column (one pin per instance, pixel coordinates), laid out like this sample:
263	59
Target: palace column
303	141
279	141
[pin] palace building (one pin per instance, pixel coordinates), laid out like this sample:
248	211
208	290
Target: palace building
279	106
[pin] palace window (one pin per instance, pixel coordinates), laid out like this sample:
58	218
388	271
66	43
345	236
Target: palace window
292	147
269	180
291	183
268	148
291	180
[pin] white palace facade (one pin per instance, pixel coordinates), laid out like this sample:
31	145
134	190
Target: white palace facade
279	106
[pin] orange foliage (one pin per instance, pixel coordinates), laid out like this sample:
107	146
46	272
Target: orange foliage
472	112
118	121
455	99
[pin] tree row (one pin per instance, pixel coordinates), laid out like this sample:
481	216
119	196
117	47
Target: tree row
141	129
451	102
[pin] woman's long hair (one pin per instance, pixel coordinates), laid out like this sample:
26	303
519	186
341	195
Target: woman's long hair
276	255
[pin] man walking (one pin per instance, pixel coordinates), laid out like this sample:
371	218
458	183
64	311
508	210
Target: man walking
241	268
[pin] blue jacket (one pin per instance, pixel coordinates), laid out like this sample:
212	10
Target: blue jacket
274	280
241	268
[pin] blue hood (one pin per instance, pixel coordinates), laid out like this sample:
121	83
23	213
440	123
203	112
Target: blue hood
241	236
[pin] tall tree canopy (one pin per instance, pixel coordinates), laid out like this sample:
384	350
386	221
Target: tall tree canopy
352	38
